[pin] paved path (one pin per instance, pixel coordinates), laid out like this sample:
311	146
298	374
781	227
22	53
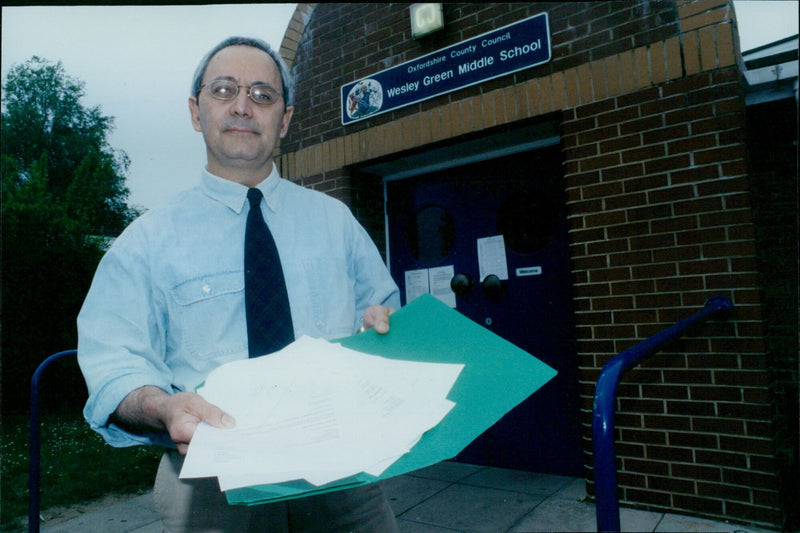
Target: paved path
449	498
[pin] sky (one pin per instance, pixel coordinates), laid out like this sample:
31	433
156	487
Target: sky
137	63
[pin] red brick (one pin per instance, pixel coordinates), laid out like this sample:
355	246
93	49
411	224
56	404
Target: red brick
670	484
652	421
598	134
720	458
665	134
667	164
692	115
639	98
651	181
671	194
748	478
645	467
699	205
694	439
662	105
696	472
629	258
680	284
699	173
642	154
633	287
618	116
669	453
691	144
694	503
629	479
595	108
620	143
642	125
744	410
691	408
625	201
623	172
606	160
651	497
716	155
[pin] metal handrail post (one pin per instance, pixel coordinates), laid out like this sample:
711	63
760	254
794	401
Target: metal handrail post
34	450
604	456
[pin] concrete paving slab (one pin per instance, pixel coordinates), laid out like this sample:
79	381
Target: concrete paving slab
404	492
448	471
446	498
637	520
155	527
574	490
558	515
517	480
473	509
123	517
689	524
407	526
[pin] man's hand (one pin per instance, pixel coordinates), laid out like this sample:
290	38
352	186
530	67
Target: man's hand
182	412
377	316
150	408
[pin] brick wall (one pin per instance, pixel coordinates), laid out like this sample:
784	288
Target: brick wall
344	42
660	219
659	207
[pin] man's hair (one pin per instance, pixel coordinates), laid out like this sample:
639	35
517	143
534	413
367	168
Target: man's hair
287	82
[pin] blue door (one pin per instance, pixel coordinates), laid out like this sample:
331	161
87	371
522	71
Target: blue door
497	231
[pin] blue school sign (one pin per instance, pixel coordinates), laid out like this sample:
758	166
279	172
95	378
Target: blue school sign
515	47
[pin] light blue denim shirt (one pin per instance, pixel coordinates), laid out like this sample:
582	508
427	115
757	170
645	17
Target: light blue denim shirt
167	302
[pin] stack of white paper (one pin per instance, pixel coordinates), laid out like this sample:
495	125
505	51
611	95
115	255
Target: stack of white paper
316	411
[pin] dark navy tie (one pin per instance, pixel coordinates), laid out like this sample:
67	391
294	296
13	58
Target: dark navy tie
269	319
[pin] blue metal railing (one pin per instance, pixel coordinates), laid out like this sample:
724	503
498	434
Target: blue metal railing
35	450
605	467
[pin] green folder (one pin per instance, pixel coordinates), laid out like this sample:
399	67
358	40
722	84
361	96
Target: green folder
497	376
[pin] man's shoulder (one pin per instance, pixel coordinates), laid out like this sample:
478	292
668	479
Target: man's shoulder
170	210
311	196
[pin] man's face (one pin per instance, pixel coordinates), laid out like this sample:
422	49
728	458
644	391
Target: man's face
240	135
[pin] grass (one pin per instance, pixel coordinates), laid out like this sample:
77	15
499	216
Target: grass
76	466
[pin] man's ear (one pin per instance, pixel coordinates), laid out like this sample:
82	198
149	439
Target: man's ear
194	111
286	119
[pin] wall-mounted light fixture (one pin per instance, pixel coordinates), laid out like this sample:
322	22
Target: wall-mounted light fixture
426	19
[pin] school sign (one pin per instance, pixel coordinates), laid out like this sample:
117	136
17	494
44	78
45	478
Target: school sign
515	47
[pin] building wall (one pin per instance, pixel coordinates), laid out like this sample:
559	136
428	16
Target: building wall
660	220
652	118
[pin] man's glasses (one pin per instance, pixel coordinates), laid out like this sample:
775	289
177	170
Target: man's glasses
228	90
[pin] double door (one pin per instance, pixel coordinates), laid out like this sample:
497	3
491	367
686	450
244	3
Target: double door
490	239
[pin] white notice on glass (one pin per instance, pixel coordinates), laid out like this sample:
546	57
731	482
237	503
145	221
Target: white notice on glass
492	257
416	284
440	278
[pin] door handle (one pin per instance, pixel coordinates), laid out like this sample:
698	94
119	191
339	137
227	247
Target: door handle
492	286
461	284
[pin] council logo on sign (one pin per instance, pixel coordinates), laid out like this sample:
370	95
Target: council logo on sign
365	98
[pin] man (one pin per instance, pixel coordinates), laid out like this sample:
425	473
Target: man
168	302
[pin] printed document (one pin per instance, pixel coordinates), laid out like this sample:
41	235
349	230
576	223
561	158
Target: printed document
316	411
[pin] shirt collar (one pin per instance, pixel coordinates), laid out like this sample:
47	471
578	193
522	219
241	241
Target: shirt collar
234	195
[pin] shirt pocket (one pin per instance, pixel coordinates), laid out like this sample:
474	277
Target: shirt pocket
331	299
211	315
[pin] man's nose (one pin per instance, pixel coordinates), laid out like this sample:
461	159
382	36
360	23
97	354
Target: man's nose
242	105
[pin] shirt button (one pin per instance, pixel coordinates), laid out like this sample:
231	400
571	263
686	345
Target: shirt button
206	288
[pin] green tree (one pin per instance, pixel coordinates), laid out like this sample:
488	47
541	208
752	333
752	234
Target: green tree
63	194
